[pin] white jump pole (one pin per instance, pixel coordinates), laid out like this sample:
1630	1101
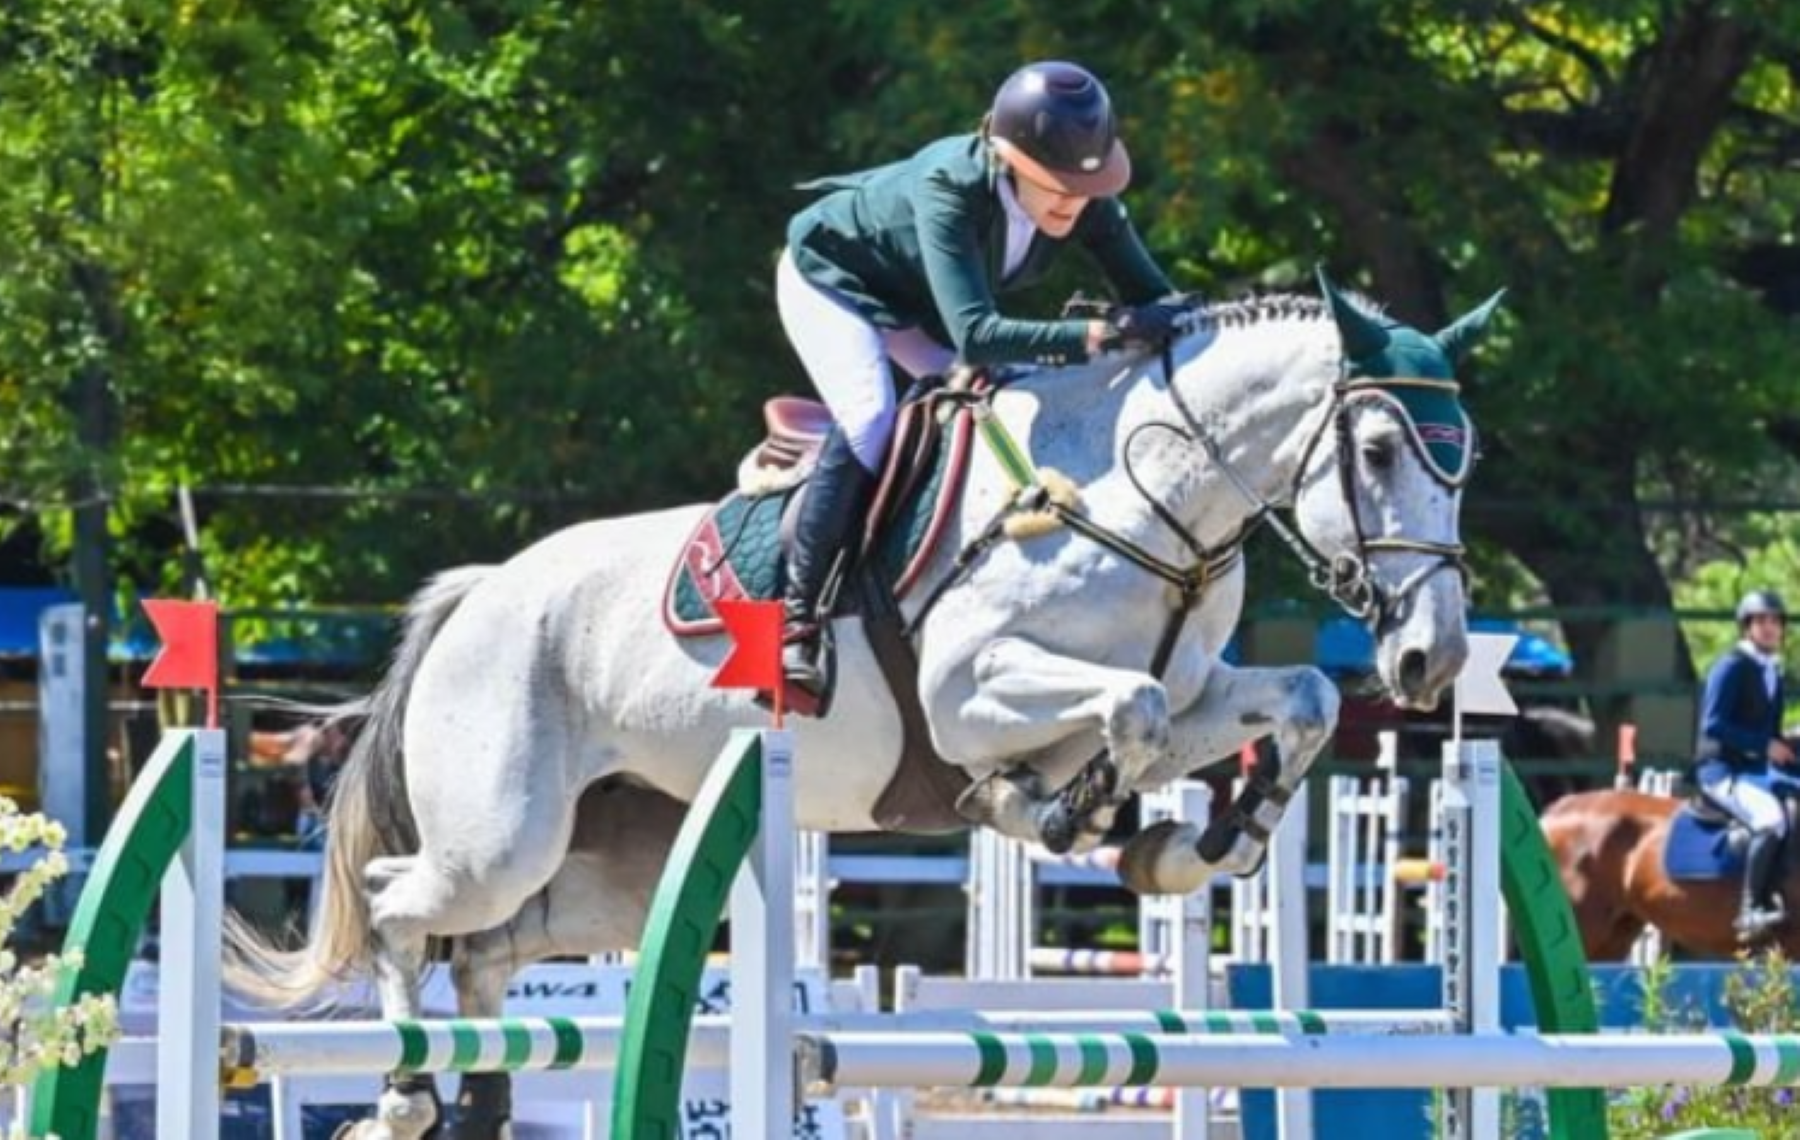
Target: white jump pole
257	1052
1490	1061
188	969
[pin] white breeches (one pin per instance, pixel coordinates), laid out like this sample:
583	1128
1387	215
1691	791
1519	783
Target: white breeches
848	359
1750	796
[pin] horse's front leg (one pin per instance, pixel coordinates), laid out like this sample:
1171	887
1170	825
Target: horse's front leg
1028	701
1299	707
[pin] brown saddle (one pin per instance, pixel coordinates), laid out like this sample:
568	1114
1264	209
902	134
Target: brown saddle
923	792
797	427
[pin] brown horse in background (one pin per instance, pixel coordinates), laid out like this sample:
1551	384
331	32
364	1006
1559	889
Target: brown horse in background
1609	846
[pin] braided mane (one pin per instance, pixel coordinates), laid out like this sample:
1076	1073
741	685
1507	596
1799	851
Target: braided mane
1243	312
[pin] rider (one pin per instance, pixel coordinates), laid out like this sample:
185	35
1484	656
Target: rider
902	263
1744	761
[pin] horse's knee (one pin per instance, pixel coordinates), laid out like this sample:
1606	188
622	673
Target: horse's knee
1140	719
1312	711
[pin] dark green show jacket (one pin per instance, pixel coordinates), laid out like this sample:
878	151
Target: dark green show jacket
919	244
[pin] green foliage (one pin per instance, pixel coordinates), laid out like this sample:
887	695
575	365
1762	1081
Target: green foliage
34	1034
476	270
449	259
1760	998
1770	558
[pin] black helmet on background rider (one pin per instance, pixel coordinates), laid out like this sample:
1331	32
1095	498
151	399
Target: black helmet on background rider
1758	602
1053	123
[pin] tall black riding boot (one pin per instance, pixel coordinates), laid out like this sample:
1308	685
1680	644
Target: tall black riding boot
831	516
1762	909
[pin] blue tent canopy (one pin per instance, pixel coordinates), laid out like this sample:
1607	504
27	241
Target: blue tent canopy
340	642
20	608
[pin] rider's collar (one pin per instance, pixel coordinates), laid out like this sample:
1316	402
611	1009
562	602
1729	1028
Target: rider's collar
1009	199
1766	660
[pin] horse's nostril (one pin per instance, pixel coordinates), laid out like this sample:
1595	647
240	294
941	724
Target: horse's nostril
1413	666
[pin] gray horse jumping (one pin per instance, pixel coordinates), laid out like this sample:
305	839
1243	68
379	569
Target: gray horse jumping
523	766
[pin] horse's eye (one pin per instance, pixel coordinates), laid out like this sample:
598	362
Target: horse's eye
1378	455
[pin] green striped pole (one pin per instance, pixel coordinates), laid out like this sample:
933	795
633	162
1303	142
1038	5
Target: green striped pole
1487	1060
255	1052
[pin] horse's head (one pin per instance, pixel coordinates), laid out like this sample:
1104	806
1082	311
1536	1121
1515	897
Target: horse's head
1381	489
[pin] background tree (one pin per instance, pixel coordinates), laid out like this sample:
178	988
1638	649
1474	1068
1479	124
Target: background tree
492	266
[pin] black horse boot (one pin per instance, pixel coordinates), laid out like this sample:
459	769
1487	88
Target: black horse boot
831	515
1761	910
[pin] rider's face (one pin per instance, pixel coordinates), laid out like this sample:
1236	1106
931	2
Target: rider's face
1765	631
1050	210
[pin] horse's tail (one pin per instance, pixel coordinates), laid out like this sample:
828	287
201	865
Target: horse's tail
368	817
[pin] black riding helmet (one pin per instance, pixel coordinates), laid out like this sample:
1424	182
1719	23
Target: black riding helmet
1053	122
1758	602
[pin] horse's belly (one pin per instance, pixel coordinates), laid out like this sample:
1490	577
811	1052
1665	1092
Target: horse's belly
579	620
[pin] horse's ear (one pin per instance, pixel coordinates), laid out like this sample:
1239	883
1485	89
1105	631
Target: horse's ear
1363	337
1461	335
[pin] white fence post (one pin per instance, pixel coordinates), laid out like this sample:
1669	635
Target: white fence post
762	1080
188	973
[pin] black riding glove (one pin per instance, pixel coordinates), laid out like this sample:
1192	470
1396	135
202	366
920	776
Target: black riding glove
1143	326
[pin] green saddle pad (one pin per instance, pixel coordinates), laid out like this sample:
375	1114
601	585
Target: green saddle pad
736	552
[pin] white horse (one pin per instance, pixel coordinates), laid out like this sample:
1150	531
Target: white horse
523	766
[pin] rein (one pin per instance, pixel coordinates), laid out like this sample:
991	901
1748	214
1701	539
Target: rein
1346	578
1032	496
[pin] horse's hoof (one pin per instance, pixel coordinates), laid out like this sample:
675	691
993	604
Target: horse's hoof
409	1113
1006	803
1058	828
1164	859
1759	926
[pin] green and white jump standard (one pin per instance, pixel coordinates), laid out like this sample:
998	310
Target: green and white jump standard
1486	812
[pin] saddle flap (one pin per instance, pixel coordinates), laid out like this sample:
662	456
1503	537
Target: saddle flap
737	550
1699	844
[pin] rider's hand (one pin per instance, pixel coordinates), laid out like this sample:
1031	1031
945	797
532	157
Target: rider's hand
1781	751
1143	326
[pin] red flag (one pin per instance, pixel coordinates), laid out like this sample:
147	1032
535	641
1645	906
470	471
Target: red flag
189	658
755	660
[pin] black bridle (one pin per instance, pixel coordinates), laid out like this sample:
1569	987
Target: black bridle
1347	577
